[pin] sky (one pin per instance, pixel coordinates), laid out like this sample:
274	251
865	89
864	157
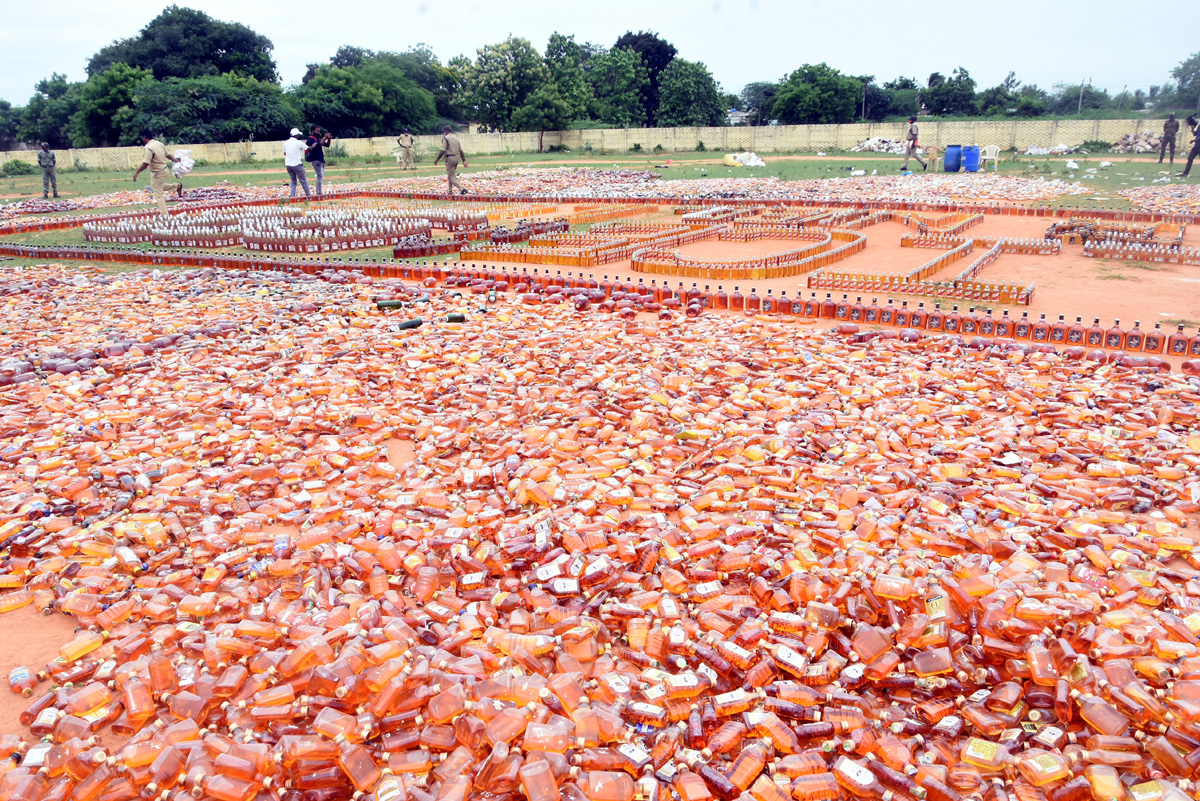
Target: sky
1111	43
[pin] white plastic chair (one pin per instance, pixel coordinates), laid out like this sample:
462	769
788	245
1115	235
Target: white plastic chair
399	156
989	152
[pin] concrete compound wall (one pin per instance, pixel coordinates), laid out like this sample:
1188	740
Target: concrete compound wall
766	139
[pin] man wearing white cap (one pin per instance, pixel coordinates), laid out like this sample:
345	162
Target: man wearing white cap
293	158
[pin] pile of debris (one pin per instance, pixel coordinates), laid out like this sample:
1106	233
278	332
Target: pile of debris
1145	142
745	159
1054	150
879	144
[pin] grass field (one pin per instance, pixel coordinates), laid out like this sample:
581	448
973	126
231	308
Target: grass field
1126	171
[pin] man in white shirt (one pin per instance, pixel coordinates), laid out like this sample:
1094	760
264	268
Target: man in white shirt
293	158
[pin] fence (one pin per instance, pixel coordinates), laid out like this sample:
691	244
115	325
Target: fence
765	139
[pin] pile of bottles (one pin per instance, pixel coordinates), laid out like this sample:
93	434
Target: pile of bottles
324	230
423	246
625	560
1140	251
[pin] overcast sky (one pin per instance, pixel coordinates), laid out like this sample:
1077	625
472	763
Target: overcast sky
1112	43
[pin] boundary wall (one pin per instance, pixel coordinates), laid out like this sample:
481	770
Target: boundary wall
764	139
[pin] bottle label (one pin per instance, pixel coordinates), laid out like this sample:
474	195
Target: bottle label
981	750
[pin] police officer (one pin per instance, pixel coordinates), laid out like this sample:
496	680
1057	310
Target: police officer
1170	131
406	145
911	138
46	161
1194	125
452	150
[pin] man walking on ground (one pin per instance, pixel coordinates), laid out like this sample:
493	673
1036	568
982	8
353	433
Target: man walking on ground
1170	131
1195	128
156	159
452	150
293	160
911	138
316	153
406	145
49	179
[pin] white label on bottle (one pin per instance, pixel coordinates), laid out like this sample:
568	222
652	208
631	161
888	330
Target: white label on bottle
856	772
564	586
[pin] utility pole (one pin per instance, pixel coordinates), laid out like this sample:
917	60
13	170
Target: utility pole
1080	108
1122	100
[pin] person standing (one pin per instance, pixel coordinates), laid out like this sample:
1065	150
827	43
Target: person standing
157	159
452	150
911	137
317	142
1170	131
46	161
293	160
1194	125
406	145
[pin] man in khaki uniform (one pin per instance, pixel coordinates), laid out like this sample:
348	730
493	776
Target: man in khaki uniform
159	161
1170	131
46	161
406	145
452	150
911	138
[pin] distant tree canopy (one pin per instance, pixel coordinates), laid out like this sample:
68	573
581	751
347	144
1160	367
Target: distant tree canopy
185	43
188	76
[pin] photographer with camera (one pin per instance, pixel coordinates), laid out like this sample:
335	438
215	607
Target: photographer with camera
1193	125
315	153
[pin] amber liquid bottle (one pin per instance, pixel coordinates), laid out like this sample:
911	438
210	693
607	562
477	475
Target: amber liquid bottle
887	315
871	315
736	301
1193	347
1058	331
857	311
970	322
987	326
918	317
828	307
722	300
753	302
1155	341
953	323
1004	326
1094	336
1114	338
936	321
1135	338
1023	328
1040	331
842	310
1177	343
812	306
1076	332
902	315
768	303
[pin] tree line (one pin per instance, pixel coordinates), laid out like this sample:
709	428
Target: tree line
190	78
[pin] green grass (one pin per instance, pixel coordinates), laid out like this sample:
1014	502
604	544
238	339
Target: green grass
1126	171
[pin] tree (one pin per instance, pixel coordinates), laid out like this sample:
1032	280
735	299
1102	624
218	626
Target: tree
875	99
564	58
9	119
502	79
688	96
1067	99
953	95
757	99
902	84
1187	80
214	108
375	98
544	110
617	78
49	111
443	82
185	43
106	107
657	53
817	93
350	56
